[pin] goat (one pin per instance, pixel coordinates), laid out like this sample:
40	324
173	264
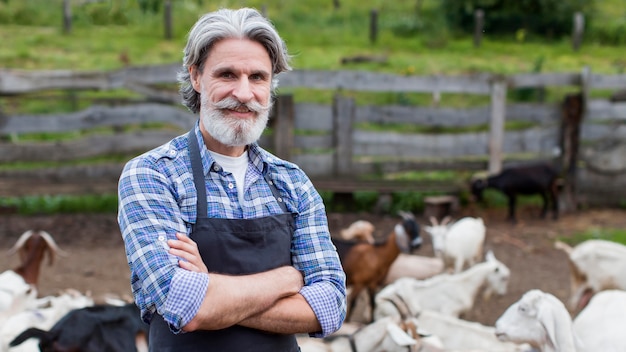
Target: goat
541	179
450	294
542	320
99	328
361	230
595	265
48	311
366	265
461	335
15	295
388	334
32	246
414	266
458	244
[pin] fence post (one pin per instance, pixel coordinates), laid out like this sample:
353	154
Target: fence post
283	126
67	16
373	26
167	19
343	119
578	29
496	125
479	23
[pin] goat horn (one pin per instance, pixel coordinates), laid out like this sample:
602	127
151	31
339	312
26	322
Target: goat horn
20	242
446	220
52	244
406	215
433	221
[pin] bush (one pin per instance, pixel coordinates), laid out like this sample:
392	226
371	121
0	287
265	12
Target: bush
551	19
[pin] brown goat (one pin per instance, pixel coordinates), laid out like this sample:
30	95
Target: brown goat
32	247
366	265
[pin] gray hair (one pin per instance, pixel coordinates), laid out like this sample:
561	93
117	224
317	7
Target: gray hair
244	23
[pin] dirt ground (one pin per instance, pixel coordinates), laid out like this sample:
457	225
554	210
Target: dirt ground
96	262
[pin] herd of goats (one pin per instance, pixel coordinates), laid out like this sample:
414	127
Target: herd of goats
397	301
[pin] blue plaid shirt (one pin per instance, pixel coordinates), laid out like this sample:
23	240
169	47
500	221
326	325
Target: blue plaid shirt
157	198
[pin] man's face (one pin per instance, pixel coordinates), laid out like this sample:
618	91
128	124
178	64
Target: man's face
235	90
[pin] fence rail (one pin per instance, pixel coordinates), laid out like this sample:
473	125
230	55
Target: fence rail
327	141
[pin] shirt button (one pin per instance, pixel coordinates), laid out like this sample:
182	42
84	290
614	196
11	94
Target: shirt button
270	182
279	199
172	152
216	168
231	186
161	238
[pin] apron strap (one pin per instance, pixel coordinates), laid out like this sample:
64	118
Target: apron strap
198	175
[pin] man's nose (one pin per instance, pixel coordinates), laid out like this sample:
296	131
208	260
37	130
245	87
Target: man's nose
243	90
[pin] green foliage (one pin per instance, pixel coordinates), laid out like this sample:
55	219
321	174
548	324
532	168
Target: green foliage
543	18
32	205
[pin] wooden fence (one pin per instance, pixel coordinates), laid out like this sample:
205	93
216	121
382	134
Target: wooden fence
328	141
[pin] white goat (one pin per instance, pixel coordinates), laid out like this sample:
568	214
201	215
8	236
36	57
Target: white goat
600	325
16	295
415	266
544	322
462	335
450	294
541	320
361	230
50	310
595	265
458	244
388	334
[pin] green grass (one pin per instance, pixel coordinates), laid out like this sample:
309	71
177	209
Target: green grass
614	235
39	205
317	35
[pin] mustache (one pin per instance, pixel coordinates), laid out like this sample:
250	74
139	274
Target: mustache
231	103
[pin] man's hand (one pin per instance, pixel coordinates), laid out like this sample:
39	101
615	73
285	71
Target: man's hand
184	247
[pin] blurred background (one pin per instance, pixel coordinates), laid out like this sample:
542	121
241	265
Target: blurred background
407	99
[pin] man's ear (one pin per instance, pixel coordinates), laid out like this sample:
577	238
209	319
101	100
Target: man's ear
194	77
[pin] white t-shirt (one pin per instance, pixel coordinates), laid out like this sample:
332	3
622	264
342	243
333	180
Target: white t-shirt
235	165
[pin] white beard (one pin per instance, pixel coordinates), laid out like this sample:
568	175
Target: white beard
233	132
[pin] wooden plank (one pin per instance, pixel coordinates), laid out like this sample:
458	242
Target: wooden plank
601	81
605	110
22	81
99	116
342	185
531	80
383	82
88	147
318	116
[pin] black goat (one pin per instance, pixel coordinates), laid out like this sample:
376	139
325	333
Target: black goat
100	328
539	179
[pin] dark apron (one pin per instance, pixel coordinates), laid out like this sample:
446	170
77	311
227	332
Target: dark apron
234	247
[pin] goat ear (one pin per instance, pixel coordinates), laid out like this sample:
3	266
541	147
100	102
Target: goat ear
546	316
490	257
399	336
